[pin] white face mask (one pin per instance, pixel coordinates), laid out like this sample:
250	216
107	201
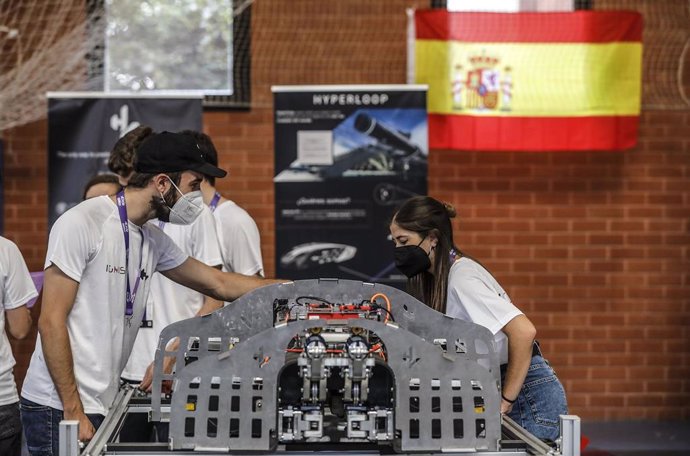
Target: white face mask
187	208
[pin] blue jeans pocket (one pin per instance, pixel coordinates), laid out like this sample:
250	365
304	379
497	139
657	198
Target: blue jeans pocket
546	399
26	405
37	421
541	401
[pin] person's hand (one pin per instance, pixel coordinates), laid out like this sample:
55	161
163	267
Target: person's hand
147	381
506	407
86	429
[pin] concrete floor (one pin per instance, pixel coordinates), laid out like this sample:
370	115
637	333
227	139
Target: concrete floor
637	438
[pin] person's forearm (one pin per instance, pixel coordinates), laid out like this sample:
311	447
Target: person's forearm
223	286
232	285
57	351
519	358
210	304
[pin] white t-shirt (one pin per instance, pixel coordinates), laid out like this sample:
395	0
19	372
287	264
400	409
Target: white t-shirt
474	295
168	301
240	243
87	244
16	288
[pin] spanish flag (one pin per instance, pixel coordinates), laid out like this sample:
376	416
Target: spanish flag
530	81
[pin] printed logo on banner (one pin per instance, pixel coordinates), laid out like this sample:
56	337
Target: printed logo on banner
120	123
483	86
83	130
345	157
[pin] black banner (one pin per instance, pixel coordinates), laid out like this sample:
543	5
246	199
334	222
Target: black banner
82	130
345	158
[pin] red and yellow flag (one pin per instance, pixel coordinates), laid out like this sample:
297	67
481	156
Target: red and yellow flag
530	81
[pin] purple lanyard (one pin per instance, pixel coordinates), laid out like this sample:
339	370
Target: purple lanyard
214	202
124	223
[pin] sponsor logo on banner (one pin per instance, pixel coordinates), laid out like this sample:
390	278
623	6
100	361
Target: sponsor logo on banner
120	123
82	130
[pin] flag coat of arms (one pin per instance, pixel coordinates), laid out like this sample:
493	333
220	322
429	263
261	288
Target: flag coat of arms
530	81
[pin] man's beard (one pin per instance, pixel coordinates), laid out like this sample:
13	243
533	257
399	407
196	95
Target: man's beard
161	206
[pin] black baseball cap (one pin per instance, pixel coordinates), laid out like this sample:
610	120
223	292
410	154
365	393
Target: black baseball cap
168	152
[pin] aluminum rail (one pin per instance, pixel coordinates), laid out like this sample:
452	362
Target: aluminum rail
568	444
570	435
534	445
117	412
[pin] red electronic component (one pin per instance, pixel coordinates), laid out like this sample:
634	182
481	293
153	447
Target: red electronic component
332	316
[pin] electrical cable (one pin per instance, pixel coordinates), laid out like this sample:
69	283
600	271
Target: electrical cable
388	305
315	298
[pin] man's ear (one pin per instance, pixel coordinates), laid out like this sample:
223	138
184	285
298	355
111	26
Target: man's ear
160	182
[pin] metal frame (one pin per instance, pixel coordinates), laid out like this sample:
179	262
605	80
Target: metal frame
253	313
234	357
116	416
535	445
570	435
69	438
409	357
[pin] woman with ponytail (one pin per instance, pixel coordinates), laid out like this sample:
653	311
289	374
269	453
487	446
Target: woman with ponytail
451	282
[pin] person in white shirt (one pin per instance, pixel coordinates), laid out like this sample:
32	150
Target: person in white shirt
101	184
447	280
16	289
101	254
168	301
238	235
121	159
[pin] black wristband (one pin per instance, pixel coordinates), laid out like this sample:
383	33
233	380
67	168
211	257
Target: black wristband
508	400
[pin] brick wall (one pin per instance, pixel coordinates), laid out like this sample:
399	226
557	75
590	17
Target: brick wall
594	246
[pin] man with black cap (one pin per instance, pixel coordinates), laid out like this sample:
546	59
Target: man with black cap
238	235
100	256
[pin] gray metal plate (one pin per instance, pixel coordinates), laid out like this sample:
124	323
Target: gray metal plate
236	423
253	313
247	325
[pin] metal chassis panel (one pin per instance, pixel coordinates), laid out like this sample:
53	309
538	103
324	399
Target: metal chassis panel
569	440
245	334
409	357
253	313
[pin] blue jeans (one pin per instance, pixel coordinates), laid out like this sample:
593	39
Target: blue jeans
42	427
540	402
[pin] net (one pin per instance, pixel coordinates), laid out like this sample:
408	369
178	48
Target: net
666	59
58	45
43	48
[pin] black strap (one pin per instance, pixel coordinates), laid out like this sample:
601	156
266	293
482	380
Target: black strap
508	400
536	349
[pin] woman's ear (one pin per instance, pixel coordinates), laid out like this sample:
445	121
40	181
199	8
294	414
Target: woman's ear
433	239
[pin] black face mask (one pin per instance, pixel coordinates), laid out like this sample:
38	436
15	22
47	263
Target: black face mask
411	259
